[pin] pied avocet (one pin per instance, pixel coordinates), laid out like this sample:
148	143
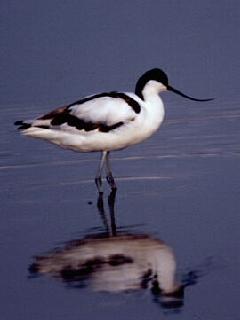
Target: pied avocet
107	121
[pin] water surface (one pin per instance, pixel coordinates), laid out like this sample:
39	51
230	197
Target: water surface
178	193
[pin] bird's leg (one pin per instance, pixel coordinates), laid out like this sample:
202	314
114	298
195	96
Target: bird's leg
110	178
98	178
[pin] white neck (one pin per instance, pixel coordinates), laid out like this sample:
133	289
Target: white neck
151	89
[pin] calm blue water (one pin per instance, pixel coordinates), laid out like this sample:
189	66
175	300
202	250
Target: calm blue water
180	188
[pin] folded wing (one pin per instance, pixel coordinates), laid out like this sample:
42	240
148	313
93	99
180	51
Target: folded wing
103	112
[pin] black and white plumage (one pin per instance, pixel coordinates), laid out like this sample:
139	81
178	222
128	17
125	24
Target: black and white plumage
107	121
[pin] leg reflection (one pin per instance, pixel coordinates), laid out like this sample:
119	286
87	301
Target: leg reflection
110	227
101	210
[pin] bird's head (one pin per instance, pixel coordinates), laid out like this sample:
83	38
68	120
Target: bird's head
156	80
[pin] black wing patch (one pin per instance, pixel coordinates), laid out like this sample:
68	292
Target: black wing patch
62	115
80	124
113	94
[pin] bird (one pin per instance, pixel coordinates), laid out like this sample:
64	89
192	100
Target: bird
106	121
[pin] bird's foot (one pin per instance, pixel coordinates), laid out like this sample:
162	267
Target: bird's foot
111	181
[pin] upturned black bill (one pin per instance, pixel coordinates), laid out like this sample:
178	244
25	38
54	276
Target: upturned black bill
185	96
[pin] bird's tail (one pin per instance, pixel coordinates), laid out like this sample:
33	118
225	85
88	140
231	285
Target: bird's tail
22	125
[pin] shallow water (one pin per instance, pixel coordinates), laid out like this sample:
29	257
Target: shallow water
181	187
177	203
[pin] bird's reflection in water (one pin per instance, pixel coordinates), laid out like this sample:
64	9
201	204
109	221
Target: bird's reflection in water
117	262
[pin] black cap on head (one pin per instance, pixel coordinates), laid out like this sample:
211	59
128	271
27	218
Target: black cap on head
153	74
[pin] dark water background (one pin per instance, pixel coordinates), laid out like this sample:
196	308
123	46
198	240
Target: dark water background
182	186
